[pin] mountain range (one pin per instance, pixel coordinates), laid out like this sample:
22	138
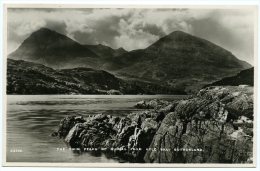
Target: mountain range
178	60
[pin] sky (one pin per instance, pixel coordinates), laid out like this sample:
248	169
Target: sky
232	29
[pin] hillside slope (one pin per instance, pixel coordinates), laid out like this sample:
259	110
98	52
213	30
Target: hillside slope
178	60
105	51
245	77
30	78
49	47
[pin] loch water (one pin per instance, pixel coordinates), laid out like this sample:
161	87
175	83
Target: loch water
31	119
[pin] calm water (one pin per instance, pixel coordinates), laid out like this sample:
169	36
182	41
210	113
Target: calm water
32	119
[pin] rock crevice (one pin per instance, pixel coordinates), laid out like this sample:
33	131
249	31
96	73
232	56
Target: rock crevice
213	126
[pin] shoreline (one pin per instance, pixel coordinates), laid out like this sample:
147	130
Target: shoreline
213	115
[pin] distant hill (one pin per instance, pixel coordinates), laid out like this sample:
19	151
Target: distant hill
105	51
49	47
178	60
245	77
30	78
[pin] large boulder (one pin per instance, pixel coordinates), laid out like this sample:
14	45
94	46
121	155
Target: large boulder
66	124
213	126
204	129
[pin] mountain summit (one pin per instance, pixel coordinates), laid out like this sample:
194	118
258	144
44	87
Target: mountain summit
182	60
178	60
179	43
48	46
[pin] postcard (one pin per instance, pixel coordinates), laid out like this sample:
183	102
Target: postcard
129	85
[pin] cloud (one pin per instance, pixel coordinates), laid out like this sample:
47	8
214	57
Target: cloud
132	29
28	27
230	29
134	38
59	26
186	27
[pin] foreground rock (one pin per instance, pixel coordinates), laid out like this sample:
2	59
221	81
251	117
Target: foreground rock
204	129
153	104
126	137
213	126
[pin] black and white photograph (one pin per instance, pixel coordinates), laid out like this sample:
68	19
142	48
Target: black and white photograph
103	85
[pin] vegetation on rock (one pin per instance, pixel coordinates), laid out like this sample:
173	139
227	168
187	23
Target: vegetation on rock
30	78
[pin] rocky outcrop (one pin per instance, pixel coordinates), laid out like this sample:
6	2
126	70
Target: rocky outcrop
156	103
114	92
213	126
204	129
126	137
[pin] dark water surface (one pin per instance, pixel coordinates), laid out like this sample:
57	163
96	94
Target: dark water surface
31	119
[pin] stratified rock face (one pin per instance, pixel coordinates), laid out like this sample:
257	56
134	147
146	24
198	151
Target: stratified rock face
204	129
213	126
122	136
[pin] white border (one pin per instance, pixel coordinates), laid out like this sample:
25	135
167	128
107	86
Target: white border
138	6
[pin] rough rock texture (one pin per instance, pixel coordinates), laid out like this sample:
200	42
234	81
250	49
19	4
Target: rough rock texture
156	103
213	126
126	137
204	129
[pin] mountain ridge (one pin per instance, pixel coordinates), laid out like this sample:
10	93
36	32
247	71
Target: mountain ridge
178	60
105	51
